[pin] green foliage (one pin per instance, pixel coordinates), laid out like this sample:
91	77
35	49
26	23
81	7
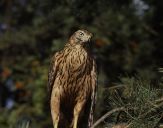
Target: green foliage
140	100
24	125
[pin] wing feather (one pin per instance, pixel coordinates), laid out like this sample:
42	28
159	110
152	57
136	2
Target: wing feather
93	95
52	74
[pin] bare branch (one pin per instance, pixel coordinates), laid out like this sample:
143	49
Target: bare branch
159	100
107	115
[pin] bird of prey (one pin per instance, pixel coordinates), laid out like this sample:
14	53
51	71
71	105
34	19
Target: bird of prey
72	84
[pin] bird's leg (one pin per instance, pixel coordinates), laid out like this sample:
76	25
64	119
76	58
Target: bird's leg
55	110
77	111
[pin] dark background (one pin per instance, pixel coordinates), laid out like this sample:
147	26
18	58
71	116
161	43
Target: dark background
128	41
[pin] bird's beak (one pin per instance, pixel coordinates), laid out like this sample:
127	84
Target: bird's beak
90	38
91	35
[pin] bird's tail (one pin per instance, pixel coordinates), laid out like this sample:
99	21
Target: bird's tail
92	108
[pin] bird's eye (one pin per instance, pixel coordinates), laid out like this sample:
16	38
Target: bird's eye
81	34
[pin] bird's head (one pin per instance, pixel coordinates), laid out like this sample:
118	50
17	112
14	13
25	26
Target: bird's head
80	37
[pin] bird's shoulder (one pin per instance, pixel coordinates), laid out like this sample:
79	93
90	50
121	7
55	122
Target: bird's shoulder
56	56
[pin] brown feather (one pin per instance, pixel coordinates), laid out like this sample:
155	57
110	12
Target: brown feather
72	79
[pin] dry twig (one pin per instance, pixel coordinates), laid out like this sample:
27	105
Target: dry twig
107	115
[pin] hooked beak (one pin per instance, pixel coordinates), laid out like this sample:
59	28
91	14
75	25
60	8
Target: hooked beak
89	40
91	35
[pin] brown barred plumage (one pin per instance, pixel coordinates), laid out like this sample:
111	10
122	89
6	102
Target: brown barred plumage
72	83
